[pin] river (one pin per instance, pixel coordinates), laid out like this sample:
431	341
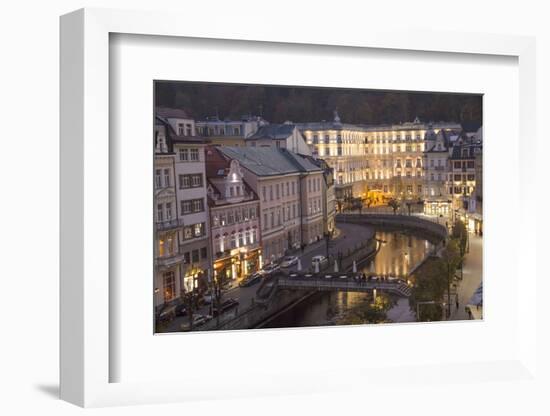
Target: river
399	252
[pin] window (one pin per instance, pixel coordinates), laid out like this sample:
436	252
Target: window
419	189
458	177
457	165
187	233
253	213
168	211
196	180
184	155
265	221
198	229
195	256
198	205
315	139
241	242
277	191
180	129
204	253
327	139
160	213
293	188
158	178
271	192
272	219
470	164
166	177
409	189
264	193
287	189
230	218
186	207
470	177
187	257
194	154
236	131
188	130
169	285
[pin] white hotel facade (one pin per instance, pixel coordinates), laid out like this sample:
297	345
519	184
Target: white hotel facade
386	159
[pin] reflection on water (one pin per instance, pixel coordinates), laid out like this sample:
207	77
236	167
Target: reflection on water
398	254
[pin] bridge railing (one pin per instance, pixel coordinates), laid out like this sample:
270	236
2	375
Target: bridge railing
404	221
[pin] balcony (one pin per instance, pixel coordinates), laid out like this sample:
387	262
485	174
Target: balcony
169	224
170	259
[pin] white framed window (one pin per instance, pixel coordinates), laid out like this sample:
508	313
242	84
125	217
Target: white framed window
158	178
160	212
184	155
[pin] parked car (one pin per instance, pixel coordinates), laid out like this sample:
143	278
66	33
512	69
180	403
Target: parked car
207	298
320	260
181	310
198	320
270	269
289	261
250	279
225	306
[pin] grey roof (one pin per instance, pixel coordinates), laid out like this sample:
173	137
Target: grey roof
166	112
273	131
269	161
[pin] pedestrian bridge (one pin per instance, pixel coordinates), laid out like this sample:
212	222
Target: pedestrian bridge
346	282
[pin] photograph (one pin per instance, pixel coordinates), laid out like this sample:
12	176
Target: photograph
298	206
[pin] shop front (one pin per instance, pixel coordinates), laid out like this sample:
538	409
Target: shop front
237	263
438	208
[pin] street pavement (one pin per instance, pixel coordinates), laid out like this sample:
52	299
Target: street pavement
473	270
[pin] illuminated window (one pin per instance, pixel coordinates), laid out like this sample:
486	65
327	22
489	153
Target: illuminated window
169	284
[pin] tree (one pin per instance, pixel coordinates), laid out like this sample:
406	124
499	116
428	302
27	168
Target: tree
218	285
451	258
460	233
394	204
369	312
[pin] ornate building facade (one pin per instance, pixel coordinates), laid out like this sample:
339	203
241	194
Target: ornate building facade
386	160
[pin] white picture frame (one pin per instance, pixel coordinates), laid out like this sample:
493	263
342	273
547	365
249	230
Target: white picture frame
85	211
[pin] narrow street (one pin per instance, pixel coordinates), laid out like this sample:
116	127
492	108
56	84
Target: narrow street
473	270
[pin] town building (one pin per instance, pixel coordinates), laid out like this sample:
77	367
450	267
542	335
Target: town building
182	254
290	190
229	132
384	160
284	136
437	199
234	218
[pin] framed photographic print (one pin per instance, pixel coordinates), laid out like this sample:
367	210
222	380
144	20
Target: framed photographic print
284	206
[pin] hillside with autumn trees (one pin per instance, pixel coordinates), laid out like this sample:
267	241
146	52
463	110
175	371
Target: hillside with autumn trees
303	104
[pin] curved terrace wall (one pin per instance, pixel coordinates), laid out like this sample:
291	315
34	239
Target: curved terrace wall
409	222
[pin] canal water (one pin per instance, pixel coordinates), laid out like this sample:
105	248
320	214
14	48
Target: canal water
399	253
